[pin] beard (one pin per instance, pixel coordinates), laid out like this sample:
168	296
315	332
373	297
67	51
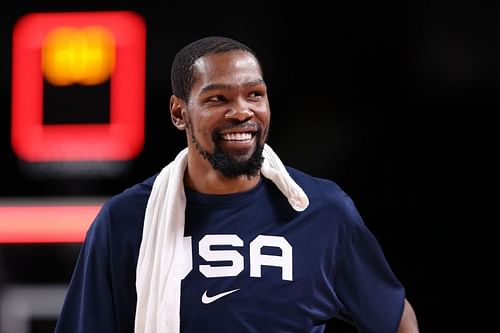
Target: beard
233	165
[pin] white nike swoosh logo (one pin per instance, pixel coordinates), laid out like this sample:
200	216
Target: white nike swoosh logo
209	299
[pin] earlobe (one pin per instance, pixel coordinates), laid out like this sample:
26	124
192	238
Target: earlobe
177	112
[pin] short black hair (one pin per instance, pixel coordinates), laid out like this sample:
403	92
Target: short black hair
182	75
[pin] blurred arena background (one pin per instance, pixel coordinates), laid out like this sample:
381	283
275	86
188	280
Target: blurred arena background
384	99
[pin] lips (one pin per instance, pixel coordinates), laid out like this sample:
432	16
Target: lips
239	139
239	136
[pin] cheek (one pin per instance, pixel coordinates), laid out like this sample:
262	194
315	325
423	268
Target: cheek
264	110
264	117
201	128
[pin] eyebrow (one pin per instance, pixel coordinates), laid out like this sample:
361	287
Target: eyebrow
223	86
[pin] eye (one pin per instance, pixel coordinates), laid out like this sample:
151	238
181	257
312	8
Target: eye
256	94
217	98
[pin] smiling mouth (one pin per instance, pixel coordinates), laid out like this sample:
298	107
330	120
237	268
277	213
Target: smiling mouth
240	136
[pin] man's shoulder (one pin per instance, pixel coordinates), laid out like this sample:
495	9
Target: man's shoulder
136	194
325	194
138	190
122	215
310	183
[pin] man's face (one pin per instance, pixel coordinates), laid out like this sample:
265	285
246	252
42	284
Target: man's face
228	112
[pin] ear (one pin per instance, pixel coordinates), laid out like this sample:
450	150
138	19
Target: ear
177	112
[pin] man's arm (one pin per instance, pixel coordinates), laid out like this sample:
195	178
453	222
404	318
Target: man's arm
88	305
408	323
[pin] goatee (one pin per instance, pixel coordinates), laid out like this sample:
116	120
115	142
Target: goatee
229	164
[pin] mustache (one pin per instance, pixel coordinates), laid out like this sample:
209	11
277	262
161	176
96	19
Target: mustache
240	127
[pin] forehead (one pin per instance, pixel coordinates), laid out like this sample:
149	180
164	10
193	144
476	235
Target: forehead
231	68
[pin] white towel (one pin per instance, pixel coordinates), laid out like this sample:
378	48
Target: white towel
163	262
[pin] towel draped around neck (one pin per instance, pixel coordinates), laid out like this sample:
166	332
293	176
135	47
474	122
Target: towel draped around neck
164	258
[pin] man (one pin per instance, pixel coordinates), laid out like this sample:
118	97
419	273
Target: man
223	239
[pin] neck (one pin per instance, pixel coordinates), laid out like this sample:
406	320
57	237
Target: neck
201	177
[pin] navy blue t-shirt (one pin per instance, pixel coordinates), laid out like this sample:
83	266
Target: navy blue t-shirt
257	265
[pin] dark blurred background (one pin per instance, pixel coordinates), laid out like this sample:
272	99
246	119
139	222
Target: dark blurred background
391	101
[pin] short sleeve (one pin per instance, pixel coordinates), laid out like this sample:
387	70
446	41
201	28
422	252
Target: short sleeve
368	289
88	304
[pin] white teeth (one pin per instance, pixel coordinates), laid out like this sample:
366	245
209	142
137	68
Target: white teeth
237	136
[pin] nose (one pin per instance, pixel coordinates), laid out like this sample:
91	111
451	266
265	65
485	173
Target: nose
239	112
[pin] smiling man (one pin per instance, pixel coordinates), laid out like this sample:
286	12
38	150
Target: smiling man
226	116
226	238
